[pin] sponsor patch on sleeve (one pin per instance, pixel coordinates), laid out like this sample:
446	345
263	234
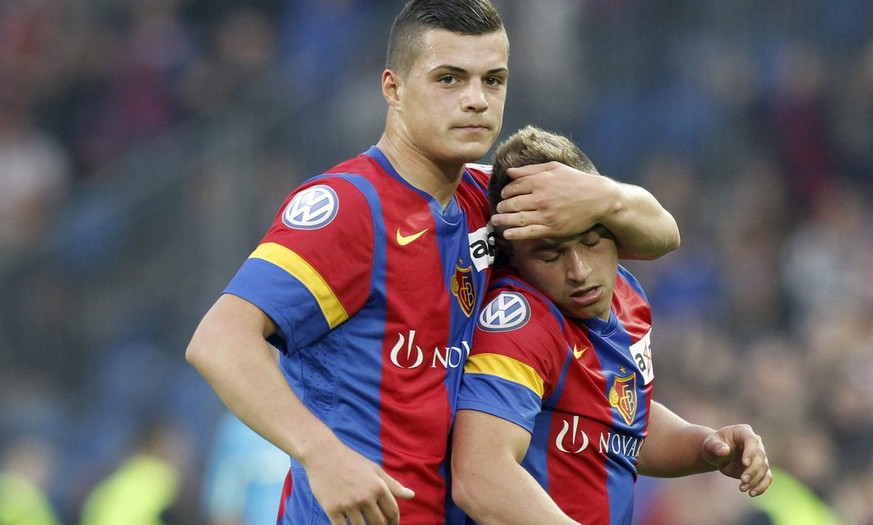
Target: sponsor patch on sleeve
642	354
482	247
312	208
507	311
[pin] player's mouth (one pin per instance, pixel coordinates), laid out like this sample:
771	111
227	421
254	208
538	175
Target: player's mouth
474	128
586	297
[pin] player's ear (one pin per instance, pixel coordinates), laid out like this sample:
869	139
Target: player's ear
391	87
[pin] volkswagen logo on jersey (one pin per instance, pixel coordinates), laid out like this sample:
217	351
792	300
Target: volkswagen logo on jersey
507	311
312	208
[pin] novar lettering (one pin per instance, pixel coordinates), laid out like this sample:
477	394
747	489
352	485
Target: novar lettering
619	444
452	356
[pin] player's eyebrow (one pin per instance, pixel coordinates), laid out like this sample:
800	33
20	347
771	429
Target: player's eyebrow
548	244
461	71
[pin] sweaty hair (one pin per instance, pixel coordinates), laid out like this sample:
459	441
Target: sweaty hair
465	17
532	145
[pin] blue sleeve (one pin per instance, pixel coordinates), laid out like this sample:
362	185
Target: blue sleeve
499	397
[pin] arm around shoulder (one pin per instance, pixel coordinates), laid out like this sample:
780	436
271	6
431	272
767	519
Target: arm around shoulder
555	200
643	228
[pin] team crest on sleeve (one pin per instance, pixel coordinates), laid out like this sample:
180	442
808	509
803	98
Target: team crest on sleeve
312	208
507	311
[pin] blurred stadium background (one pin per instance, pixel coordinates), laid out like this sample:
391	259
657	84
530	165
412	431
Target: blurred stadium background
146	144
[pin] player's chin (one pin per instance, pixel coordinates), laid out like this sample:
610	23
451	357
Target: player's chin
471	151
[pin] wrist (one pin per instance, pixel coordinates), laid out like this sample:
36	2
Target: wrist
313	443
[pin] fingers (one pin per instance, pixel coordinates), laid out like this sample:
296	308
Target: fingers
521	202
381	509
757	475
523	184
397	489
531	169
738	452
532	231
551	200
756	481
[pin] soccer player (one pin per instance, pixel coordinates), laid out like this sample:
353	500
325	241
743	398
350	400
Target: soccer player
555	413
371	277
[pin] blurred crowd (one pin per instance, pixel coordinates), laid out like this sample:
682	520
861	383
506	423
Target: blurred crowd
752	122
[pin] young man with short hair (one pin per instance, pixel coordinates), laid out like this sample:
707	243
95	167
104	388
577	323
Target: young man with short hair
555	412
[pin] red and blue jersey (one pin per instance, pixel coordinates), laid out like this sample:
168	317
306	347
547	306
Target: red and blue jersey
375	288
582	388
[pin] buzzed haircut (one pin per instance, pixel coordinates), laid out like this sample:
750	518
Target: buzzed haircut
465	17
532	145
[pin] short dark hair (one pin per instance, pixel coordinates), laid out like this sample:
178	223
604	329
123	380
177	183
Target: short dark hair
465	17
532	145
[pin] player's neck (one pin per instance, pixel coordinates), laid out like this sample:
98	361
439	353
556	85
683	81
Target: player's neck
437	180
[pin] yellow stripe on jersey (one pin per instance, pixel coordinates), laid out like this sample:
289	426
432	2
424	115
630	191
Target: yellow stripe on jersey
507	368
333	310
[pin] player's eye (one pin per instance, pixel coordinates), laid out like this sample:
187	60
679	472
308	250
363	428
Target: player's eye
495	81
591	241
550	256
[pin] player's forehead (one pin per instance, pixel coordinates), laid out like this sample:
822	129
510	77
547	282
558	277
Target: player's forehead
441	48
544	244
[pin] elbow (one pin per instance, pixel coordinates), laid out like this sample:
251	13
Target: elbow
668	240
676	239
672	242
197	349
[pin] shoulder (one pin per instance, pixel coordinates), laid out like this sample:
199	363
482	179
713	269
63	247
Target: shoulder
354	185
628	287
511	304
479	173
630	304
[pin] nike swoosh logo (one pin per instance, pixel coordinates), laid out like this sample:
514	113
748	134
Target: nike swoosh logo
403	240
578	353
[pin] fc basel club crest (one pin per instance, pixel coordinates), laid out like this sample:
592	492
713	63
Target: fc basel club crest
463	289
623	397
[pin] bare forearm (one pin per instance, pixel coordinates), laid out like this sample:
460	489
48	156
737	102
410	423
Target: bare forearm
555	200
673	447
643	228
503	493
489	484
